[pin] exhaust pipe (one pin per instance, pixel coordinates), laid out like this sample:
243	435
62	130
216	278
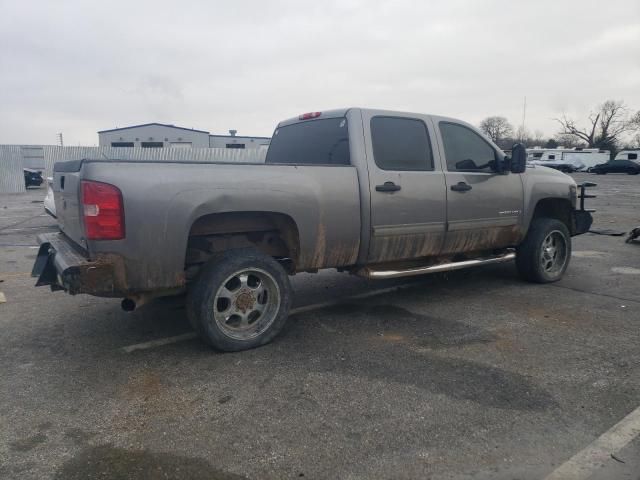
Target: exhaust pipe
129	304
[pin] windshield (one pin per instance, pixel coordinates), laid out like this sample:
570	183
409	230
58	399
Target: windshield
317	142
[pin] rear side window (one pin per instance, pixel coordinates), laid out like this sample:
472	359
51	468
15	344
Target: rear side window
466	150
401	144
316	142
632	156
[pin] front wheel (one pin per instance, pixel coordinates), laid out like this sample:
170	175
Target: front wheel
544	255
240	300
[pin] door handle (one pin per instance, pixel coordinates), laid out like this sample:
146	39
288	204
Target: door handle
461	187
387	187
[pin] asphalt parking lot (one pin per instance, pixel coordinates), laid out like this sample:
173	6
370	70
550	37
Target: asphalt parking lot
469	375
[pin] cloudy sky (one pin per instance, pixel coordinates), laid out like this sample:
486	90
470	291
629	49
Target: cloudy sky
79	66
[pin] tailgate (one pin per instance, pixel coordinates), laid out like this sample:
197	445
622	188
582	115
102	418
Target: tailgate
66	192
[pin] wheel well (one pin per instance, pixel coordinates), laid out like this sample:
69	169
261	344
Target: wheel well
558	208
274	234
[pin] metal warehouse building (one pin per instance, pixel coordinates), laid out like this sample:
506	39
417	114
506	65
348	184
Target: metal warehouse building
160	135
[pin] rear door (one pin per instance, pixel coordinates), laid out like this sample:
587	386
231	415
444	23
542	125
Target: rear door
407	187
484	207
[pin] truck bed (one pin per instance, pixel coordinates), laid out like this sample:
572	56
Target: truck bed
162	200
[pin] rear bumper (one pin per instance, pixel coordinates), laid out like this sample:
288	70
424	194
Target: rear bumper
63	266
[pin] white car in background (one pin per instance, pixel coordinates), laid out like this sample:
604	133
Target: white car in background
49	203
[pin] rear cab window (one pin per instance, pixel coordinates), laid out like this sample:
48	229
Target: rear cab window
314	142
401	144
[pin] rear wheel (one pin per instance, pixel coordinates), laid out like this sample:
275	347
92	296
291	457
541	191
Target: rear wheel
632	171
240	300
544	254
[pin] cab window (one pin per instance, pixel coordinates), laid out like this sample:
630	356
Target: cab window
465	150
401	144
316	142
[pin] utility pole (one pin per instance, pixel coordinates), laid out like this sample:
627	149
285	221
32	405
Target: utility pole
524	116
60	140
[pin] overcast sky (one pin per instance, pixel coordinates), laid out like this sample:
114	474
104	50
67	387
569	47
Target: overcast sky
78	66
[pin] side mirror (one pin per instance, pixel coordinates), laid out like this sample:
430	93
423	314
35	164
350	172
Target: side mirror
518	161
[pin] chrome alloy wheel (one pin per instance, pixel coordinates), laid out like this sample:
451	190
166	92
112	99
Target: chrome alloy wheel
553	255
246	304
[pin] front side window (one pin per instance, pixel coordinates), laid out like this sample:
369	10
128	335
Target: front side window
632	156
465	150
315	142
401	144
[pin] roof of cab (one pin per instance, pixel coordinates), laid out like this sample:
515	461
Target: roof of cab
337	113
341	112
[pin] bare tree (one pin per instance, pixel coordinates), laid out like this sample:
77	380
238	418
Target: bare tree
538	137
568	141
496	128
635	125
604	127
523	135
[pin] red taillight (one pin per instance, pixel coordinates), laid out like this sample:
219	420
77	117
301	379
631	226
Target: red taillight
102	210
309	116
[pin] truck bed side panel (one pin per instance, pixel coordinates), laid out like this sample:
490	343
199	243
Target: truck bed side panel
162	201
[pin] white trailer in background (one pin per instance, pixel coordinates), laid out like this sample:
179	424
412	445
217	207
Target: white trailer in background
633	155
568	159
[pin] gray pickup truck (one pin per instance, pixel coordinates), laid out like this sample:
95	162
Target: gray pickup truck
376	193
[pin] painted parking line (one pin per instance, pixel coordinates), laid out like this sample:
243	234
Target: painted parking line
294	311
10	275
585	462
160	342
339	301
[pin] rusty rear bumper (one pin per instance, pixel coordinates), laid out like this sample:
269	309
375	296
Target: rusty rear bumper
63	266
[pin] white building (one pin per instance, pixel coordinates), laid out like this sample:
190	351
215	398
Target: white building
235	141
160	135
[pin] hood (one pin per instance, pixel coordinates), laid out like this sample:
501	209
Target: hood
547	173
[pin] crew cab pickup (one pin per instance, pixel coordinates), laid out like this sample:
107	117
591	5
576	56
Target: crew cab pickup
376	193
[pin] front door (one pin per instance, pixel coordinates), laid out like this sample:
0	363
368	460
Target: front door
484	207
407	188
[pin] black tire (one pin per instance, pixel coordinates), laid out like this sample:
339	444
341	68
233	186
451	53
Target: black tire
214	295
533	262
632	171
